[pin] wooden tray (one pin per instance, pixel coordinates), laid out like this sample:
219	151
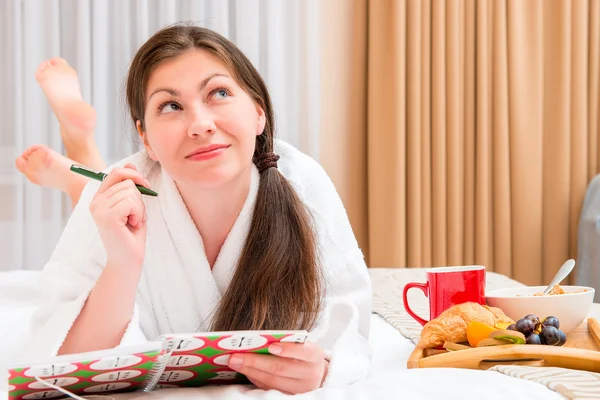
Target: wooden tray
581	351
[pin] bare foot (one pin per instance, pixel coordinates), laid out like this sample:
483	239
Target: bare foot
45	167
77	118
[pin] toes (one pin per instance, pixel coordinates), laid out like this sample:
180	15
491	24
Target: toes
53	62
41	68
48	156
35	154
30	150
43	65
58	61
21	163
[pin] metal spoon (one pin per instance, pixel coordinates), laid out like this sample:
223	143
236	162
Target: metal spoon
562	273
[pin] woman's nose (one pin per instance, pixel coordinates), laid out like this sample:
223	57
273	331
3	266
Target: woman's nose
201	123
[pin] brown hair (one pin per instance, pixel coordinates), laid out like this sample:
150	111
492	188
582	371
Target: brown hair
277	283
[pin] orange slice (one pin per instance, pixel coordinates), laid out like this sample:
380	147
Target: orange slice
477	331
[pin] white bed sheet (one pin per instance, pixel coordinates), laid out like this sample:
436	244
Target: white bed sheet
390	380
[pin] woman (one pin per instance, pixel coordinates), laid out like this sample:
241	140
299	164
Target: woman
237	239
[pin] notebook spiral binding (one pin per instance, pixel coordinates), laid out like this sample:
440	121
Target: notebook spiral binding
159	367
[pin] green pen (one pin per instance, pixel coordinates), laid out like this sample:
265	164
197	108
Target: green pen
99	176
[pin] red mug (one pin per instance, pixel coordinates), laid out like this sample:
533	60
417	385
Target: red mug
447	286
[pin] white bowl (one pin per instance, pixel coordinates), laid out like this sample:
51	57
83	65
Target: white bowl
570	308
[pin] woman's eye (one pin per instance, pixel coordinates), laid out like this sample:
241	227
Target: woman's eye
221	93
168	107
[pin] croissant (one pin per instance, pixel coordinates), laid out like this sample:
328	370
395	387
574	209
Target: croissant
451	325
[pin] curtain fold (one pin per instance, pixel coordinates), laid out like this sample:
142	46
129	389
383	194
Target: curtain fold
482	131
343	124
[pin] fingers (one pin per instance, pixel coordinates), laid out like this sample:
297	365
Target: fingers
259	384
122	174
126	186
124	189
120	214
123	199
118	193
283	384
297	368
309	352
272	365
129	207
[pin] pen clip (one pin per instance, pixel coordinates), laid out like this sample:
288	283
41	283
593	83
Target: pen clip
81	167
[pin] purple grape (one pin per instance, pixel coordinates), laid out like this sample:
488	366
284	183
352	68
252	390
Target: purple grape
562	338
552	321
533	318
525	326
534	338
511	327
550	335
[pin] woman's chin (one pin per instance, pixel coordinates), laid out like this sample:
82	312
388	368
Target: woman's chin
210	178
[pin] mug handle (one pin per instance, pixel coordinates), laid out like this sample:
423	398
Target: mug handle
425	288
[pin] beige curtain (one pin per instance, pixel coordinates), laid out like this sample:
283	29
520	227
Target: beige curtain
462	131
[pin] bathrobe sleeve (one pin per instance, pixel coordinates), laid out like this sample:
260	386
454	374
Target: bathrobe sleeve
344	324
67	280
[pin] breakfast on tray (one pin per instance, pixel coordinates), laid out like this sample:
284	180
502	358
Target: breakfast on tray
468	325
471	327
451	325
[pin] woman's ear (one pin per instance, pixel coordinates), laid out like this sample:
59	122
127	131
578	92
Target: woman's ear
144	138
262	120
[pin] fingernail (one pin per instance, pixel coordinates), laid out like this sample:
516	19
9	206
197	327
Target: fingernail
275	348
147	183
236	361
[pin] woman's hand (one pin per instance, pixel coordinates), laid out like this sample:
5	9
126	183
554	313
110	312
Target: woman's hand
294	367
120	215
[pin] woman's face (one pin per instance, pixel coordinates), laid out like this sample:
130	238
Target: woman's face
199	123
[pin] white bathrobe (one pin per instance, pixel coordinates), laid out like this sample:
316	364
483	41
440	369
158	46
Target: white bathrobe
178	291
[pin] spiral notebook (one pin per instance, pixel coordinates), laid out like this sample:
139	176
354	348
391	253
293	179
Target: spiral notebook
174	360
